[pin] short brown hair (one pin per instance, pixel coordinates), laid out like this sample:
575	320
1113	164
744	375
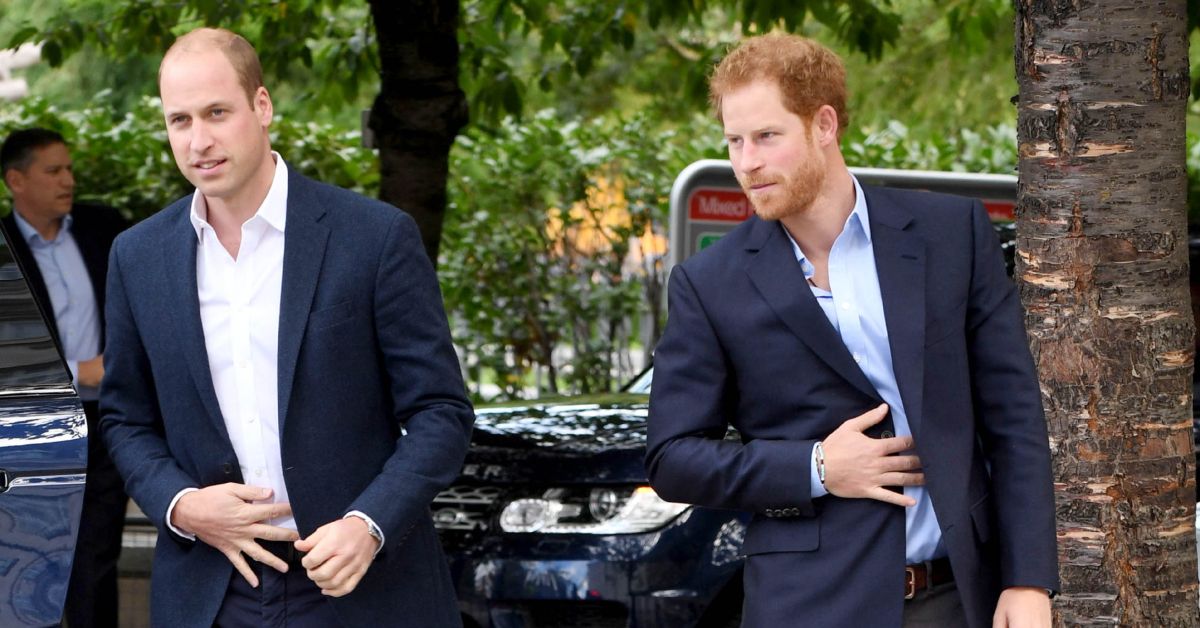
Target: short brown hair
808	74
237	50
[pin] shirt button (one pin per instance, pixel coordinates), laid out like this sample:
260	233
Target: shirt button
250	418
258	472
887	434
858	358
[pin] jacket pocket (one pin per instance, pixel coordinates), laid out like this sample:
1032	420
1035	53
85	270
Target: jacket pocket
329	316
764	536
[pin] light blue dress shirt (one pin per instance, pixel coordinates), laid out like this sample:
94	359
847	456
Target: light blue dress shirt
71	296
855	308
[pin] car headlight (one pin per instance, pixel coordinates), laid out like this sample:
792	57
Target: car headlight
590	511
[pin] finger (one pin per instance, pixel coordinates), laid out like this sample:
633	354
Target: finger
249	493
345	588
273	533
899	463
896	444
871	417
891	497
243	568
318	552
266	512
902	478
262	555
325	573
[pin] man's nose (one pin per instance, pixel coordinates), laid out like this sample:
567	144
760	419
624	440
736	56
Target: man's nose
201	139
751	158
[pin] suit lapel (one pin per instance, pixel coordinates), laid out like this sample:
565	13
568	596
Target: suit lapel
900	266
777	276
303	252
179	264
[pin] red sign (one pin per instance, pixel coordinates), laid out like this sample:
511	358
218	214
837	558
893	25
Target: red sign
1000	210
719	205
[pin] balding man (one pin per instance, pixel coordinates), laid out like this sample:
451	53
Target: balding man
281	394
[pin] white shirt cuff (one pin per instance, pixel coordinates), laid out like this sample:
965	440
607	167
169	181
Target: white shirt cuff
815	487
371	525
73	366
171	509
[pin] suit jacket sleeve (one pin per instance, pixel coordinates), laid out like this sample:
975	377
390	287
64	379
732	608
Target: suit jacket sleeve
692	401
131	421
1008	412
429	397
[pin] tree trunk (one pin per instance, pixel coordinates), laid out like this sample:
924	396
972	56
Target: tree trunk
420	107
1102	265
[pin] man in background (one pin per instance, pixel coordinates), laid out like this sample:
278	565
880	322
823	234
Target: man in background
62	247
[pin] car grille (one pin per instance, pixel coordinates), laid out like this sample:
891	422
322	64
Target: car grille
463	512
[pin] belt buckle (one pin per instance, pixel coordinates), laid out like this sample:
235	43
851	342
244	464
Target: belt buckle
910	583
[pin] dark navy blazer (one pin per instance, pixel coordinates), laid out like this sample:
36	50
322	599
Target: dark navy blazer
372	408
747	345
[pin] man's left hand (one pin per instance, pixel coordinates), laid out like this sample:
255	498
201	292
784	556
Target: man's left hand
339	554
1022	607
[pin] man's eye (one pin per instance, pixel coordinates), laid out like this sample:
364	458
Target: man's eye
217	113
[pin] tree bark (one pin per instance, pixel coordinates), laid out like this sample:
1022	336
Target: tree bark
420	107
1102	267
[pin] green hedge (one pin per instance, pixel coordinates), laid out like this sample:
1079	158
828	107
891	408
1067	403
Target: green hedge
125	161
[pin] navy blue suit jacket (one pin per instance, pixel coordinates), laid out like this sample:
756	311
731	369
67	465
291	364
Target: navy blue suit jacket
747	345
372	408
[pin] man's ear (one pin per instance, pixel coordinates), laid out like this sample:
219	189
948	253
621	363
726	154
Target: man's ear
15	180
826	123
263	106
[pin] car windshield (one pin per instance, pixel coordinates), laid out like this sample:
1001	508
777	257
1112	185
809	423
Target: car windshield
641	383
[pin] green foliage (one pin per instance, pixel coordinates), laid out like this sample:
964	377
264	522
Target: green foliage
896	146
324	50
126	162
554	237
1193	177
510	48
121	162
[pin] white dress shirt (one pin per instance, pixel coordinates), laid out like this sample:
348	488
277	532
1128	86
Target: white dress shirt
239	311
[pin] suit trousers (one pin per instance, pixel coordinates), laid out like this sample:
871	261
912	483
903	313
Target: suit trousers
281	600
92	600
937	607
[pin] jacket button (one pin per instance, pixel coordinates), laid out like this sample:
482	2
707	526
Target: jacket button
887	434
227	468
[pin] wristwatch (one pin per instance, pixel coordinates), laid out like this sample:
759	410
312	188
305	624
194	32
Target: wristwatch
372	529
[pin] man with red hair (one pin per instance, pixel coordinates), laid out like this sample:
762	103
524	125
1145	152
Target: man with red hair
869	349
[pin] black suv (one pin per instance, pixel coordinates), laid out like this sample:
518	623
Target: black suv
43	459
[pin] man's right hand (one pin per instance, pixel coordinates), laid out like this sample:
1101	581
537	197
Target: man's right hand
91	371
224	517
859	466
